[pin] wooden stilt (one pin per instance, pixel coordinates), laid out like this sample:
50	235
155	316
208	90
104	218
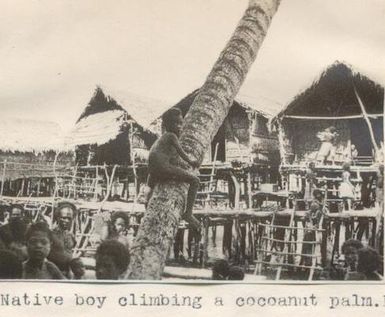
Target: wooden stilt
205	240
3	177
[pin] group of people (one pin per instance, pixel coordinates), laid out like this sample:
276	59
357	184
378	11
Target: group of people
327	151
34	251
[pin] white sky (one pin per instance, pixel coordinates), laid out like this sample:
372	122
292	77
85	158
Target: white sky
53	52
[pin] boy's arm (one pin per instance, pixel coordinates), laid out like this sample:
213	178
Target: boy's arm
181	152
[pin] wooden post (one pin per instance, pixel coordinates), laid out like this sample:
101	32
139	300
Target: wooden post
249	191
237	191
96	183
3	178
206	223
132	157
282	151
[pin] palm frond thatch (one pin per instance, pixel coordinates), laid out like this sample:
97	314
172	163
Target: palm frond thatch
332	95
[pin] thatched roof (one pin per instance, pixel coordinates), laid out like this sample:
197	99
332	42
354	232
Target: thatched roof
22	135
98	128
102	121
142	108
332	95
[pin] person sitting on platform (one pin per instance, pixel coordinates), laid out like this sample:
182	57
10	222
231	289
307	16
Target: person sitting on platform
112	259
326	151
39	240
346	187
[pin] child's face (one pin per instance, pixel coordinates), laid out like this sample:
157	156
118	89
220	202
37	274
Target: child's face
177	125
38	246
351	257
106	268
119	225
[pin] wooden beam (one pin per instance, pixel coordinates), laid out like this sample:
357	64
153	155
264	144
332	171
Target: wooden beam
365	115
370	115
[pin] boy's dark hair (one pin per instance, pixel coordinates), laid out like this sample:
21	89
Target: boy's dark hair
368	260
351	243
236	273
10	265
117	251
169	117
120	214
38	227
220	270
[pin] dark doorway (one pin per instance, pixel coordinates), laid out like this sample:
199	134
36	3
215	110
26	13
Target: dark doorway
360	135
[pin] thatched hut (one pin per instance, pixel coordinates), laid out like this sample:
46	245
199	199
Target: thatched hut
29	150
243	136
105	133
333	100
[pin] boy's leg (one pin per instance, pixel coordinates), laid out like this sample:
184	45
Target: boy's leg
179	174
192	192
148	190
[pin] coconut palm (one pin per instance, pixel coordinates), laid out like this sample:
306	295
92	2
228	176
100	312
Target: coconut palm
160	223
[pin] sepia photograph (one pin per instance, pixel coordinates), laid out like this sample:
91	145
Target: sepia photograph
192	141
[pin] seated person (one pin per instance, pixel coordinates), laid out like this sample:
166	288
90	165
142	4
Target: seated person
112	259
326	151
39	240
10	265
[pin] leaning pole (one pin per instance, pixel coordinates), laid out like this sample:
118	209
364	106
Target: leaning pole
159	225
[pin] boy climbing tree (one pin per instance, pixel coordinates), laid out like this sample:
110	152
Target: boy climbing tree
163	160
160	222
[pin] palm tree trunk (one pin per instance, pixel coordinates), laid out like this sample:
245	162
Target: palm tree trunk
209	109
